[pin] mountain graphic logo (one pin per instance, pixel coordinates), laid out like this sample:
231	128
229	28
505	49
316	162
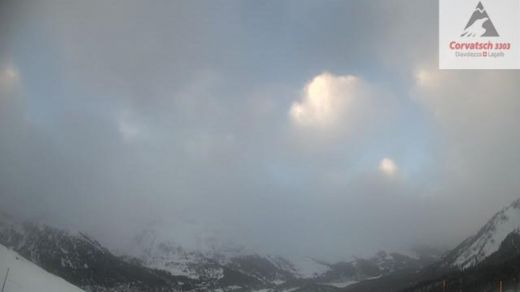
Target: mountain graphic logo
480	25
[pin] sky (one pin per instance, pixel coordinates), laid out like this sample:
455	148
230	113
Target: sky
317	128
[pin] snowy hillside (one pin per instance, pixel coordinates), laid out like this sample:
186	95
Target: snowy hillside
81	260
156	252
217	266
213	265
25	276
478	247
159	263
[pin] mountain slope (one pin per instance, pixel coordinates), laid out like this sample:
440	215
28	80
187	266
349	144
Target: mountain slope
24	276
479	263
162	265
214	267
246	269
482	261
476	248
503	266
82	260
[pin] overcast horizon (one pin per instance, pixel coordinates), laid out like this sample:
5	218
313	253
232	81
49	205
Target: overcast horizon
316	128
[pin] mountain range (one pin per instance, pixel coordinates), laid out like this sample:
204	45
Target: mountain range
484	260
165	266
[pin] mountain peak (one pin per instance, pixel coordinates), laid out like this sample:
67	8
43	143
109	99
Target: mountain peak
487	240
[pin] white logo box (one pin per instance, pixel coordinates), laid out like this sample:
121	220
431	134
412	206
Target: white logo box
481	34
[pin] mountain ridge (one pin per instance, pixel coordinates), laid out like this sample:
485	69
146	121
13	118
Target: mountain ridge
475	248
165	266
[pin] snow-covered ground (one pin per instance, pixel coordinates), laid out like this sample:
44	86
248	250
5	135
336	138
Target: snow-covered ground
24	276
341	284
157	251
307	267
346	283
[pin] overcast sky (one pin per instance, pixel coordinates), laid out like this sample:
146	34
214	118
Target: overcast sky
320	128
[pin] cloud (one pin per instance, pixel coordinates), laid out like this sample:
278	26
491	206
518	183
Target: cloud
426	78
476	139
174	112
127	127
388	167
325	101
9	74
9	78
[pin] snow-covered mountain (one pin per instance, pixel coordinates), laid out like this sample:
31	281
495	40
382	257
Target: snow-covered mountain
488	239
216	267
81	260
158	264
489	257
24	276
240	267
